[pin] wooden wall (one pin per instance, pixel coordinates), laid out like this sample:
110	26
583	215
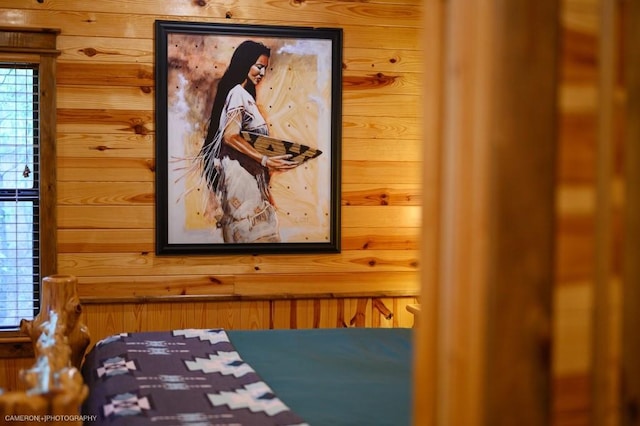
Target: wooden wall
106	156
106	179
105	161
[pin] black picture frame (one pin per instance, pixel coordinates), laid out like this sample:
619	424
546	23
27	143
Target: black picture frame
300	98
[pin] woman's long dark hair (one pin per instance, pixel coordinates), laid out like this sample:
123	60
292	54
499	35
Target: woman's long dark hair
245	55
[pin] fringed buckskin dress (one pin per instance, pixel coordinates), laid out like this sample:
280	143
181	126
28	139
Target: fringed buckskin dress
241	183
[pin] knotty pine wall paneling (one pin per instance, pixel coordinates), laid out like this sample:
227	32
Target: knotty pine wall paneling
106	172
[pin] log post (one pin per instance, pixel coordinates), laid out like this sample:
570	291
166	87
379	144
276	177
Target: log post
55	385
58	293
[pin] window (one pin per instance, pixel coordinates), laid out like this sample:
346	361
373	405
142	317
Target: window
27	170
19	193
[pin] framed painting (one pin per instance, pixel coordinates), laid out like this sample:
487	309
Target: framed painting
248	128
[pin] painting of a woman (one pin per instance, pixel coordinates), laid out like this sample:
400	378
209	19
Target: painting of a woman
236	173
248	154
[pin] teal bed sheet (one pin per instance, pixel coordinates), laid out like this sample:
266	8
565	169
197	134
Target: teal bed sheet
342	376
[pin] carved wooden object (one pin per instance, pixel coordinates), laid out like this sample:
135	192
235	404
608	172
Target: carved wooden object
54	383
58	294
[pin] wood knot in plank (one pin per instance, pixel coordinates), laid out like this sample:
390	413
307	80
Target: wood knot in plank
367	261
89	51
228	15
145	75
369	81
139	129
200	3
146	89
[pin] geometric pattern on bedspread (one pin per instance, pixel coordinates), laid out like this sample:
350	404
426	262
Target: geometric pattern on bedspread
188	377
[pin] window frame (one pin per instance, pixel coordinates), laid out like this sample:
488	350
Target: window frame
38	46
22	78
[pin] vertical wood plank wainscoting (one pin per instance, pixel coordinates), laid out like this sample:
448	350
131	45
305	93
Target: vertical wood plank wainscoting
107	319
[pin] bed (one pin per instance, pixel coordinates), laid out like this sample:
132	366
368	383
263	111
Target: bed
341	376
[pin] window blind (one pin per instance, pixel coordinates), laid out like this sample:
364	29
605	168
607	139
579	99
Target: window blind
19	193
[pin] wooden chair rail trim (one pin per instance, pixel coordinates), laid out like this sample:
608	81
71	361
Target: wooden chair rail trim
87	300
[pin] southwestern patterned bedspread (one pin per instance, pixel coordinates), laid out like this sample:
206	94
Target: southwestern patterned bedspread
181	377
